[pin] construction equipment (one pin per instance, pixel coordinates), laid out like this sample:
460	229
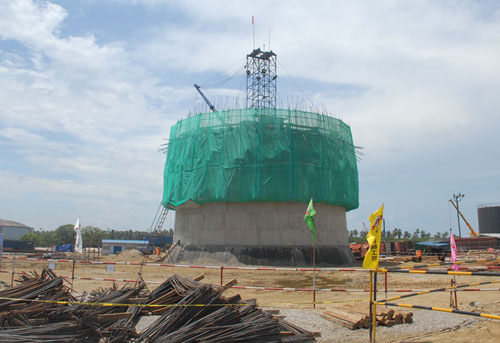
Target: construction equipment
212	107
472	232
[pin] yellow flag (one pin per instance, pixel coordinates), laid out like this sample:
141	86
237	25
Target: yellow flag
373	238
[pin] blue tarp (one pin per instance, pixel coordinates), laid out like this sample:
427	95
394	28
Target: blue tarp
18	245
124	241
64	248
158	240
433	244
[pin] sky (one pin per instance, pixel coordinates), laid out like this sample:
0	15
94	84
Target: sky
90	89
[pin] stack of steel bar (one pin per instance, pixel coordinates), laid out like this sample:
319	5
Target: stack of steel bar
27	311
46	287
113	322
42	309
61	332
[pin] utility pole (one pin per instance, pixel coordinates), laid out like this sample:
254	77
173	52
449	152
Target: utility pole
383	222
458	197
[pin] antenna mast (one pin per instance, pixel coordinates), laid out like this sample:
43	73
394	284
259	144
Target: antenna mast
253	30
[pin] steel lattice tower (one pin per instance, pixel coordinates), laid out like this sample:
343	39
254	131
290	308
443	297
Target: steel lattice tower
261	79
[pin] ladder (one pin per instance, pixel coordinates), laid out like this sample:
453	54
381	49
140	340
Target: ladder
180	255
159	219
168	254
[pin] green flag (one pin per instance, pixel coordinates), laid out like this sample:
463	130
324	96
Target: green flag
309	219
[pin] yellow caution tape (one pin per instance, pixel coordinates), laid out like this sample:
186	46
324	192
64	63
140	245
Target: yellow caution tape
103	304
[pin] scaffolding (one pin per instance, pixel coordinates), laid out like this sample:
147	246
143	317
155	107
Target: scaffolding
261	79
261	155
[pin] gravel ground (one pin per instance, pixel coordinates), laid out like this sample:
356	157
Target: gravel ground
144	322
424	322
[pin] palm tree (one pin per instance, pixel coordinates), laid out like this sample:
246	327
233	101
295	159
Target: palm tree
416	233
398	233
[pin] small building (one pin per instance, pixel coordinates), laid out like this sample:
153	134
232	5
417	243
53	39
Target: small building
12	230
114	246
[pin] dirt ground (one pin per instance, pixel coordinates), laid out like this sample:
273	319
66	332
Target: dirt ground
488	301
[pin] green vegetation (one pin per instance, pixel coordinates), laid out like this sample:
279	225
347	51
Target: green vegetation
91	235
395	235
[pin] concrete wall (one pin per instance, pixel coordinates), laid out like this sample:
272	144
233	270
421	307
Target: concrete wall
262	232
489	219
259	223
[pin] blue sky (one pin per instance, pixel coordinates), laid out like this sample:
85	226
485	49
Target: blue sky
90	89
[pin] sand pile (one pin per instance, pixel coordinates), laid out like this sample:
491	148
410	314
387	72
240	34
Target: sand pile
130	253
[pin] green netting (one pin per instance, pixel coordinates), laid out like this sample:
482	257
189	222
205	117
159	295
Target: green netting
261	155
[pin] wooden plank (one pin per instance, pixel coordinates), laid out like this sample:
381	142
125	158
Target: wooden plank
344	323
355	318
381	310
199	277
230	283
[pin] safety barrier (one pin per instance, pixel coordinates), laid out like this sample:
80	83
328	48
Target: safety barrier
449	310
335	269
187	265
289	289
385	302
438	268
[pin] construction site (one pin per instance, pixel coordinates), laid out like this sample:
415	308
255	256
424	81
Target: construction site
242	266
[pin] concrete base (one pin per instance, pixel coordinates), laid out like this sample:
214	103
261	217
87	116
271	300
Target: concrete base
261	233
299	256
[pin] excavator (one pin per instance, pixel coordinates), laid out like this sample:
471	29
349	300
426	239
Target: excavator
472	232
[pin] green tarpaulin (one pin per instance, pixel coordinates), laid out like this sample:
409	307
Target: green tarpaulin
261	155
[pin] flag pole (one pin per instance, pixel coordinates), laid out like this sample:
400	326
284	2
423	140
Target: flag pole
374	312
73	272
371	305
75	228
314	275
309	219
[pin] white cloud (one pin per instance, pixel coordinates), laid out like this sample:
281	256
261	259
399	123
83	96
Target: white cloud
422	64
85	118
83	121
37	24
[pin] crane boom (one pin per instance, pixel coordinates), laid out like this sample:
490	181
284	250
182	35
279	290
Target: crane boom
472	232
212	107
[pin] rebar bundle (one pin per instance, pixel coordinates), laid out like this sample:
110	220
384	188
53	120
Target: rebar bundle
41	308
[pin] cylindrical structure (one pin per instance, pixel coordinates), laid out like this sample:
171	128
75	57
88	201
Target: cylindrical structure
240	181
489	218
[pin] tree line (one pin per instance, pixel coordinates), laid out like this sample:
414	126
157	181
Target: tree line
92	236
397	234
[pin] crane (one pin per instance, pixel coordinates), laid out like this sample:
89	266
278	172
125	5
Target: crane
472	232
212	107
